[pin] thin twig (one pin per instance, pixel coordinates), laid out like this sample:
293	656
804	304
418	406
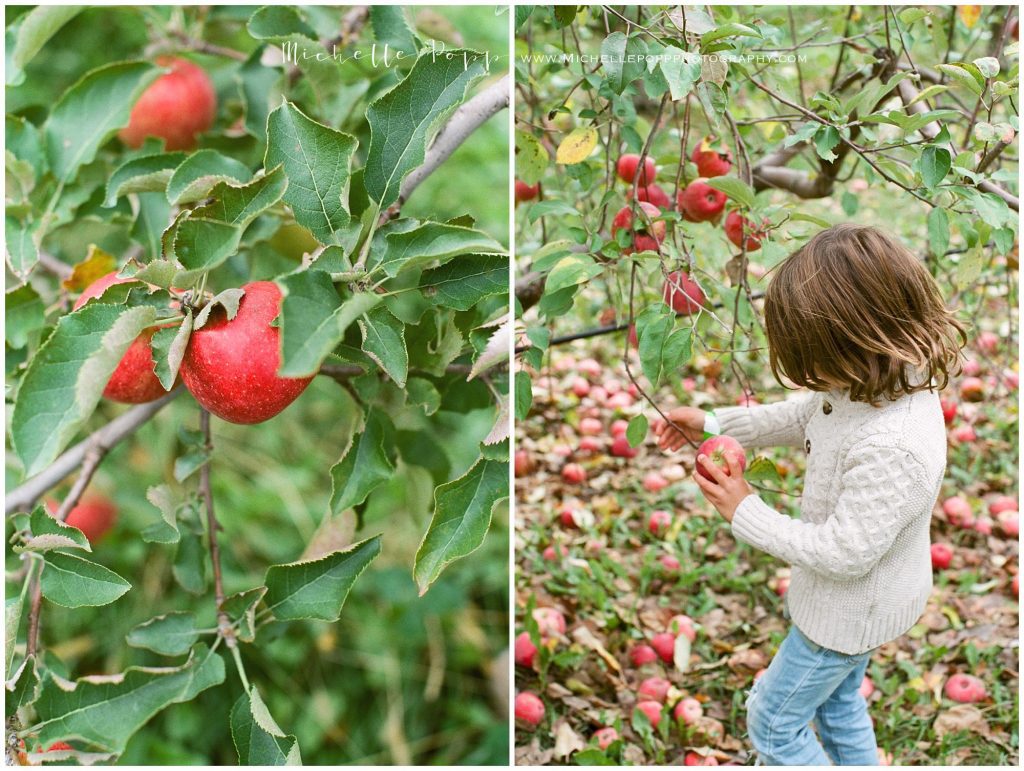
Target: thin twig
206	491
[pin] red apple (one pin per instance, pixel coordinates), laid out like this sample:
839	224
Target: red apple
1002	503
590	444
525	650
524	464
643	239
717	448
626	169
988	342
525	192
659	522
963	434
682	294
574	473
654	689
965	689
231	366
550	622
983	526
654	482
948	410
553	553
782	586
688	711
134	380
652	709
580	387
642	654
669	562
590	367
683	625
591	427
942	555
694	759
971	367
176	107
605	736
701	202
736	226
1009	523
94	515
622	449
619	428
711	160
867	687
972	389
529	710
620	401
653	194
958	511
664	645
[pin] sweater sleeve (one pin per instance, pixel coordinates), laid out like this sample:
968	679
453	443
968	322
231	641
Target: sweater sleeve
883	488
769	425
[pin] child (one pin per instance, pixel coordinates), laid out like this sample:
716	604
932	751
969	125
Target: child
856	319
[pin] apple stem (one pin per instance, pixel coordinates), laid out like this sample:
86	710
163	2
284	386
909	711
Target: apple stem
206	491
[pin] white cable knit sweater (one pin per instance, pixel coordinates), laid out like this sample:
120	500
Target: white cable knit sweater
860	551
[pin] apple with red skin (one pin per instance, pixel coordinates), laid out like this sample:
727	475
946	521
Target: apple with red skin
580	387
682	294
683	625
574	474
642	654
59	746
622	449
643	240
1015	584
867	687
605	736
590	444
94	515
700	202
553	553
948	410
942	555
669	562
988	342
652	709
694	759
619	428
176	107
983	526
591	427
688	711
654	482
1002	503
963	434
525	650
653	194
972	389
654	689
782	586
231	366
529	710
627	165
550	622
717	449
525	192
965	689
710	161
1009	523
958	511
736	226
664	645
590	367
971	367
620	401
659	522
134	380
524	464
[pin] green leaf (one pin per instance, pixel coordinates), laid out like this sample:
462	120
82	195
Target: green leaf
682	71
620	61
524	395
241	609
150	222
90	111
172	634
35	28
23	313
462	516
201	172
966	74
762	469
714	101
731	29
66	378
241	205
168	345
938	231
146	174
12	619
570	271
201	245
678	348
256	85
164	530
391	28
74	582
22	249
23	688
935	164
49	534
366	464
735	188
432	242
384	342
108	711
314	319
258	739
653	326
463	282
636	431
825	142
317	589
532	158
404	120
316	162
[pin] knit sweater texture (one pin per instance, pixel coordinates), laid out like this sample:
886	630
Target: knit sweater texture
860	551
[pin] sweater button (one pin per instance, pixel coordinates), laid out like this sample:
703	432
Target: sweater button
807	445
826	408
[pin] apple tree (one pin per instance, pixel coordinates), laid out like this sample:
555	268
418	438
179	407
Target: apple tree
212	217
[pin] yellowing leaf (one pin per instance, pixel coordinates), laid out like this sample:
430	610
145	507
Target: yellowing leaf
97	263
577	147
969	14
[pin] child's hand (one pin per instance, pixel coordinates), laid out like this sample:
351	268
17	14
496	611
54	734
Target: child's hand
728	489
689	419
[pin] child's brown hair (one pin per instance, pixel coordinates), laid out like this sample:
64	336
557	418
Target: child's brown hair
851	309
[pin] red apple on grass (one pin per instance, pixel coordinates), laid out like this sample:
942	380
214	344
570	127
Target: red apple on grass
622	449
627	165
231	366
696	759
605	736
619	428
642	654
1009	523
550	622
591	427
654	689
654	482
529	710
659	522
988	342
574	474
524	464
688	711
958	511
669	562
717	448
867	687
700	202
652	709
683	625
682	294
664	645
963	434
176	107
712	159
1002	503
972	389
525	192
942	555
525	650
134	380
948	410
94	515
580	387
965	689
553	553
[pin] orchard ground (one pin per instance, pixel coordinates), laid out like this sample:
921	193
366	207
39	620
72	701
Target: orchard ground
618	584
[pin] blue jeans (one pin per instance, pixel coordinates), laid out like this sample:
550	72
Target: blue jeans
807	682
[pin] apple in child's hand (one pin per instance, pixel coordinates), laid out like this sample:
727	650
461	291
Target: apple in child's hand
688	711
652	709
654	688
716	449
605	736
942	555
176	107
525	650
965	689
642	654
529	710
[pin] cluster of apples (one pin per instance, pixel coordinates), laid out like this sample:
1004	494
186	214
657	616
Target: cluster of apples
230	365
